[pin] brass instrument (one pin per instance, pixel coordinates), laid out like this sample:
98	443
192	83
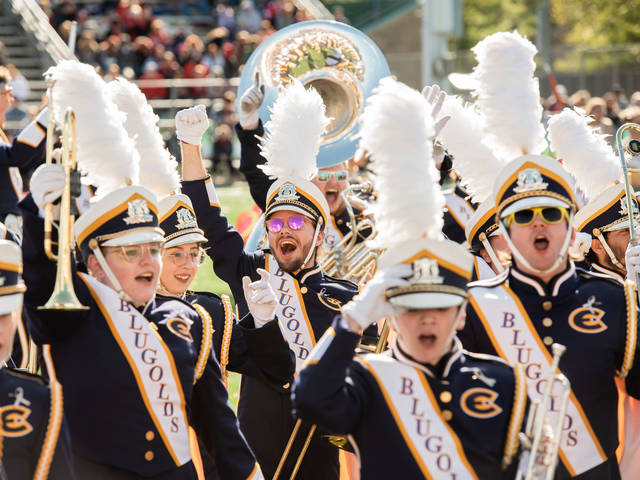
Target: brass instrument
63	296
632	147
541	439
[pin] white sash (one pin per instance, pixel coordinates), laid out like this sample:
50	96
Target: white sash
152	365
332	235
459	209
291	312
434	445
516	341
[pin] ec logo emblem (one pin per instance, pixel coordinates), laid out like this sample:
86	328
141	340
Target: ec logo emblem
13	421
587	320
480	403
181	328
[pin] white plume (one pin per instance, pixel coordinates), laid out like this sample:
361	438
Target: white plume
473	159
508	94
584	151
105	153
159	167
294	132
397	130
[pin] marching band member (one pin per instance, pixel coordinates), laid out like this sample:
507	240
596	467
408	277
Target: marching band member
240	347
34	437
543	298
331	181
296	213
486	242
437	410
604	223
254	346
141	350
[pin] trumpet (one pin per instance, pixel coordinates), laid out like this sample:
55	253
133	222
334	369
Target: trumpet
541	439
63	296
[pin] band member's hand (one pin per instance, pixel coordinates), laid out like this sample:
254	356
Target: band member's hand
436	97
261	298
371	303
191	123
47	183
250	103
580	246
632	262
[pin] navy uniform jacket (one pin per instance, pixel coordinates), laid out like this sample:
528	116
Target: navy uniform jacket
35	436
108	418
341	393
259	182
25	153
596	343
457	214
258	352
264	410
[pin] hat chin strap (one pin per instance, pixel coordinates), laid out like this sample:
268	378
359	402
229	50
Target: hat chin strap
492	254
610	253
516	253
313	243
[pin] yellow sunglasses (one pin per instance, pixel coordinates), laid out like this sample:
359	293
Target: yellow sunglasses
550	215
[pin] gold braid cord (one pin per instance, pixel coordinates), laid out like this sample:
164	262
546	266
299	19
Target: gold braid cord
205	344
226	337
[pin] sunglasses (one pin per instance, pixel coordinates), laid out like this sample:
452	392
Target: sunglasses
295	222
339	175
182	258
550	215
134	253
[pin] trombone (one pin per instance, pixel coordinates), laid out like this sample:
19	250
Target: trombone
541	439
63	296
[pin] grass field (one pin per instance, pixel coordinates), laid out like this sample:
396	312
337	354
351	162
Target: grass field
233	199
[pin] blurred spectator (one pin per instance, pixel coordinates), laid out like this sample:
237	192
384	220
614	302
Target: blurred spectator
158	34
620	96
248	18
635	99
222	148
612	109
580	98
151	73
225	16
630	114
596	107
213	58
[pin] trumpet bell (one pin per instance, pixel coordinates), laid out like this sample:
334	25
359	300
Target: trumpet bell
340	62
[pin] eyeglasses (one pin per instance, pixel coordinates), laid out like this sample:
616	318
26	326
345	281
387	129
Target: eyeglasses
274	225
134	253
339	175
182	258
550	215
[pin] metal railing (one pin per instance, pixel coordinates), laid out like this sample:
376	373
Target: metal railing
34	20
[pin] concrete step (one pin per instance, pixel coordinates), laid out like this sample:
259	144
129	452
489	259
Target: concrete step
21	51
26	62
14	40
10	30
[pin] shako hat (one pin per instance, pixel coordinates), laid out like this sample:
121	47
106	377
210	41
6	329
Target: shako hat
12	287
178	221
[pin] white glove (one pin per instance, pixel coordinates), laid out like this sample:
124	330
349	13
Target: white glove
47	184
371	304
260	297
250	103
436	97
580	246
632	261
191	123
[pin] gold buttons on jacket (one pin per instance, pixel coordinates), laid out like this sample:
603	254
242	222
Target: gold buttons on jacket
340	221
445	397
547	340
148	456
149	435
447	415
304	290
546	305
547	322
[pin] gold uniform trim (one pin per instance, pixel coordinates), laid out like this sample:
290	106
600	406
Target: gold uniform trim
226	336
517	415
425	288
110	236
205	344
55	420
533	193
183	232
632	328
